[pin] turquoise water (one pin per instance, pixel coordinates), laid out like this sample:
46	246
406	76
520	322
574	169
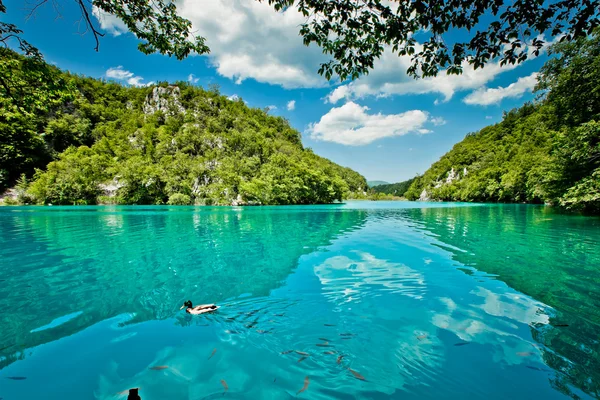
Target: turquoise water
359	301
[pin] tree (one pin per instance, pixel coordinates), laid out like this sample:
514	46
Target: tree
356	32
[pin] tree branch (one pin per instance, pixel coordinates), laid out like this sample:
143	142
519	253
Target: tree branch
95	32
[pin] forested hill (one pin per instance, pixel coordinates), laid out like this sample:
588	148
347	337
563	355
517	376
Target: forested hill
395	189
547	152
75	140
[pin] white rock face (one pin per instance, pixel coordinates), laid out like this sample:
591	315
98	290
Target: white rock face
465	172
165	99
110	189
424	196
238	201
452	176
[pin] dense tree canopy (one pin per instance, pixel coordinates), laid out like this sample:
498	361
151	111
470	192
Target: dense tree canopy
543	152
175	144
394	189
356	32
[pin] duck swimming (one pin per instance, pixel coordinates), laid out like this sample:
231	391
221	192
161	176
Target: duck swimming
201	309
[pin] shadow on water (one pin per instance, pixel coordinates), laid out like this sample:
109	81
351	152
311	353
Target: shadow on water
94	263
553	258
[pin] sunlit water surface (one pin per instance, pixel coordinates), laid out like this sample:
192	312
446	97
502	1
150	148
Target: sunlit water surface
355	301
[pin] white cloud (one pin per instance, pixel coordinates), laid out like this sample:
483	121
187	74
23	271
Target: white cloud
487	96
389	78
488	117
248	39
192	78
121	74
424	131
291	105
351	125
118	73
109	22
233	97
438	121
271	107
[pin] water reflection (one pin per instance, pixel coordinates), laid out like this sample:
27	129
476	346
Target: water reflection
422	303
551	257
101	262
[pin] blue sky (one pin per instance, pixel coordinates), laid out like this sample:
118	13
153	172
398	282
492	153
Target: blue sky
386	125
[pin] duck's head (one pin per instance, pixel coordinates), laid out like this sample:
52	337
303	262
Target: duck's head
187	304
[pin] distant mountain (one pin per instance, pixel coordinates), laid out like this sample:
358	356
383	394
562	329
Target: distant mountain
395	189
377	183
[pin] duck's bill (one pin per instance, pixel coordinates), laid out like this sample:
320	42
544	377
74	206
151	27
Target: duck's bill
181	308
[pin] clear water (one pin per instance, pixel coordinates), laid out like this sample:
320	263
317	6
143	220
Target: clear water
421	300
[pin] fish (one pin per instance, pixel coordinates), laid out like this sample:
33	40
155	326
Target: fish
356	374
302	353
16	378
339	359
537	369
225	386
325	340
421	337
524	353
326	344
231	332
301	359
346	334
287	352
279	315
462	343
213	353
329	352
306	383
159	367
328	325
263	331
346	338
560	325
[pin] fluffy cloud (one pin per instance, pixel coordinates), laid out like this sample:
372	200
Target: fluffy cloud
389	78
291	105
121	74
118	73
251	40
487	96
109	22
192	78
351	125
438	121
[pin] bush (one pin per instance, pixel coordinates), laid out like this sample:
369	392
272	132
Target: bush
179	199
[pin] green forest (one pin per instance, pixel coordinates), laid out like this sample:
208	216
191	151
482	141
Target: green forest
547	151
391	189
68	139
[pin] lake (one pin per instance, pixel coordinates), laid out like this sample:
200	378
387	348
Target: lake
362	300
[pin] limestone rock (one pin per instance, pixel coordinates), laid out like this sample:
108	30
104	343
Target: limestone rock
165	99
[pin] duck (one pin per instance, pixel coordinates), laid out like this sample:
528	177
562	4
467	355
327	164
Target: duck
201	309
